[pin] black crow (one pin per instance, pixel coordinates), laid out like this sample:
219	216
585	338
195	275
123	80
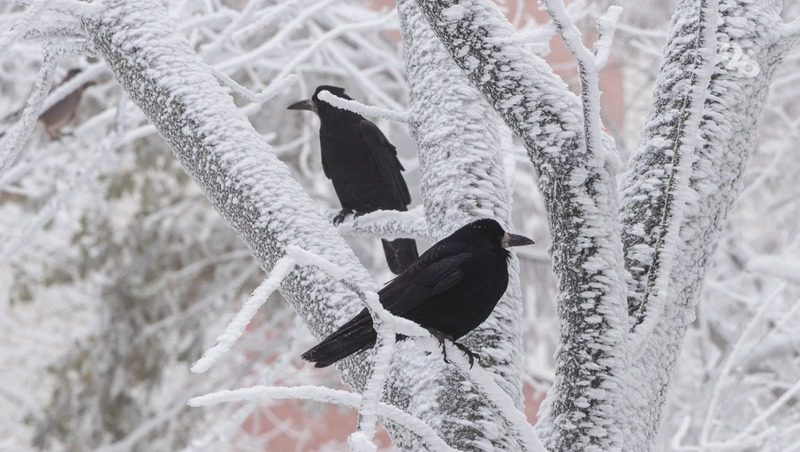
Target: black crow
364	169
450	290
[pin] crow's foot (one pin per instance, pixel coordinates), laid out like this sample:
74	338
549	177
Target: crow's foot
470	354
337	220
442	337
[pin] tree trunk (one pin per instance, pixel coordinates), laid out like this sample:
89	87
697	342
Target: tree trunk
718	146
256	194
616	357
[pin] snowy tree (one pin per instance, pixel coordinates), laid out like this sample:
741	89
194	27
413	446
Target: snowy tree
117	273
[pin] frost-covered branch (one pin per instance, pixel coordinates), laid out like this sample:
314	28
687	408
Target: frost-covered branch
463	178
23	24
219	148
580	195
666	212
118	273
606	27
387	224
364	110
325	395
12	141
385	325
791	30
278	86
683	180
589	72
237	326
512	414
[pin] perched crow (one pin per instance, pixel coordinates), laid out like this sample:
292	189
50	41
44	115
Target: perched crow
450	290
364	169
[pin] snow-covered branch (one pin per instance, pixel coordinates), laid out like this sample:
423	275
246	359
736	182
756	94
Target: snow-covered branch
12	141
791	30
677	194
606	27
362	109
219	148
278	86
580	193
386	325
387	224
463	178
683	179
117	273
589	72
675	150
325	395
237	326
512	413
222	152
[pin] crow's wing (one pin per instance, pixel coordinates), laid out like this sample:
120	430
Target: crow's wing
413	288
383	155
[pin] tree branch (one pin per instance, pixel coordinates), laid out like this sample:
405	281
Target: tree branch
791	30
698	59
580	194
676	202
387	224
462	178
249	187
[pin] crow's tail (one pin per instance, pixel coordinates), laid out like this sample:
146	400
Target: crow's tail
400	254
354	336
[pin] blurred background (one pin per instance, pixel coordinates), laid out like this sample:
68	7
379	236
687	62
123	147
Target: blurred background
115	273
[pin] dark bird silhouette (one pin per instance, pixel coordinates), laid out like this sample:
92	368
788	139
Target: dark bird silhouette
55	118
364	169
450	290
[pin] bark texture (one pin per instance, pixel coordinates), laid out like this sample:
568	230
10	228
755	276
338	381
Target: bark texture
617	356
728	128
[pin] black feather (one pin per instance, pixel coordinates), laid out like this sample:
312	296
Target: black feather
363	166
451	289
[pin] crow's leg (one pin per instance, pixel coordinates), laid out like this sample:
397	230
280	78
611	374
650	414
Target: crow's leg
441	337
337	220
470	354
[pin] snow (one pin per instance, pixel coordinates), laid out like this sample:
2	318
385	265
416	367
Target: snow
237	326
364	110
11	143
454	12
360	442
785	267
680	195
22	25
278	86
64	193
324	395
606	26
115	266
557	147
388	224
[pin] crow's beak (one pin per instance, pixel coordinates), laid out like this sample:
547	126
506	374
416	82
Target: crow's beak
510	240
303	105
